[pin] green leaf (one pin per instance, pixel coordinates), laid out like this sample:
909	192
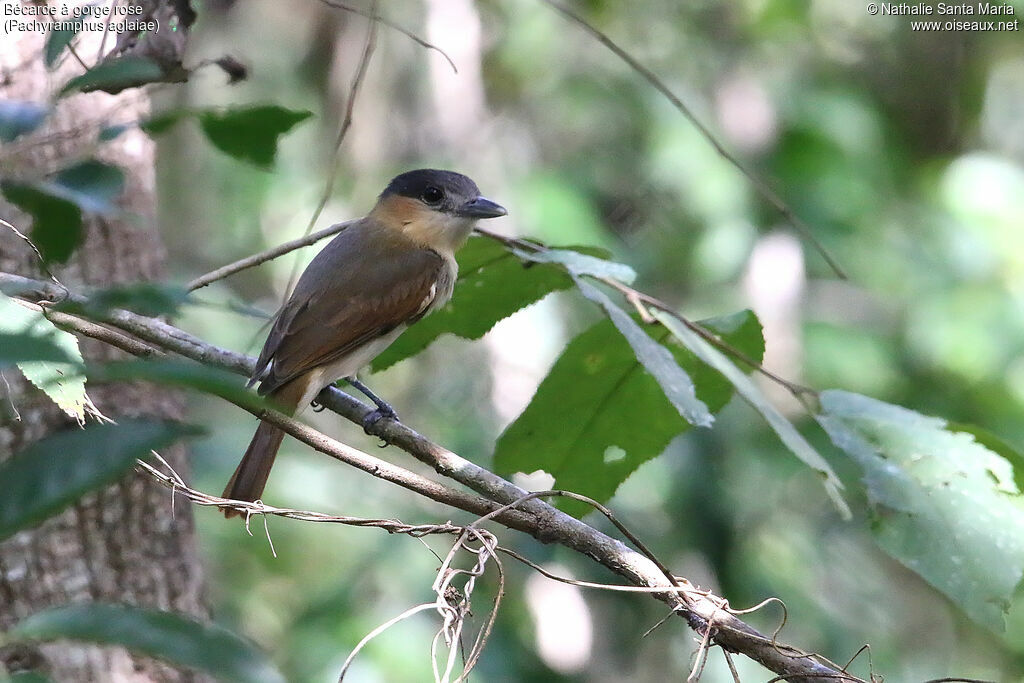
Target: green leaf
578	263
58	40
59	469
656	359
598	415
746	388
61	380
56	222
56	204
145	298
944	505
250	133
174	638
18	118
91	184
492	285
115	75
27	336
164	121
181	373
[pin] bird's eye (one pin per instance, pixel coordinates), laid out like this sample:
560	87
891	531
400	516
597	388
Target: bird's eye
432	195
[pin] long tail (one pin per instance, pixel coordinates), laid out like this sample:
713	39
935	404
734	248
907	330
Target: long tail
250	477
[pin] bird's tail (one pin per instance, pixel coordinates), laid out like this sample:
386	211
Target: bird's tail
250	477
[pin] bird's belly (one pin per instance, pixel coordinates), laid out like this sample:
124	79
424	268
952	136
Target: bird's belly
347	365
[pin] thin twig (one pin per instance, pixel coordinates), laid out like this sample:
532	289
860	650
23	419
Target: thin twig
762	188
384	20
264	256
377	631
346	123
42	262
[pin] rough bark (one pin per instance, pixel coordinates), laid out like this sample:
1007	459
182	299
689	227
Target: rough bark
121	544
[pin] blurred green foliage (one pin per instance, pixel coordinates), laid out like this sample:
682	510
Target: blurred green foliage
903	150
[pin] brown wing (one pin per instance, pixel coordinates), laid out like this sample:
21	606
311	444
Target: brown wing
364	284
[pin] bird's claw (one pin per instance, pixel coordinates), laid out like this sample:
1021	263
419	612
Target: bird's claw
316	406
375	416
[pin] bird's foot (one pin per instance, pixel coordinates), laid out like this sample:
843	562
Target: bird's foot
317	407
374	417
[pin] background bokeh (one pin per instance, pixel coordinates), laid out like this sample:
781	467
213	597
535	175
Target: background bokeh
904	152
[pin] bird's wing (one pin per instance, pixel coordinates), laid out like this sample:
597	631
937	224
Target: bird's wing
359	288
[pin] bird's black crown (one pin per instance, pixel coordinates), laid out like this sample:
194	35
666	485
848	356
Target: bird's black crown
444	190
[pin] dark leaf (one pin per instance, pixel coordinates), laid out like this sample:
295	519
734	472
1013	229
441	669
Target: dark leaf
91	184
58	40
115	75
251	133
56	204
598	415
56	222
174	638
162	122
944	505
59	469
18	118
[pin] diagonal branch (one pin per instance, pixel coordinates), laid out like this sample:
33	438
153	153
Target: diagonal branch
702	610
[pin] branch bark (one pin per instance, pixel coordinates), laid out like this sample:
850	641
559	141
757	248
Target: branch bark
547	524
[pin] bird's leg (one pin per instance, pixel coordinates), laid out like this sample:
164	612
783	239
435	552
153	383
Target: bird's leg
383	409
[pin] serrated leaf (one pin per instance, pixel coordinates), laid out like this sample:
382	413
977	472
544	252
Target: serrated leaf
746	388
174	638
579	263
251	133
656	359
18	118
26	336
58	40
944	505
598	415
492	285
60	380
59	469
56	222
114	76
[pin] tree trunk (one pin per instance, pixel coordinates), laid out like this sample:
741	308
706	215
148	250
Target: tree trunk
122	544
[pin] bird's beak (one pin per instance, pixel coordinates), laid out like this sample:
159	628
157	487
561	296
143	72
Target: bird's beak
480	207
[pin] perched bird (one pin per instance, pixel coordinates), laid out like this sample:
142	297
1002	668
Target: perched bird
372	281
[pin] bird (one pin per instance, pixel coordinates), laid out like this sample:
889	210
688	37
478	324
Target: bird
373	280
